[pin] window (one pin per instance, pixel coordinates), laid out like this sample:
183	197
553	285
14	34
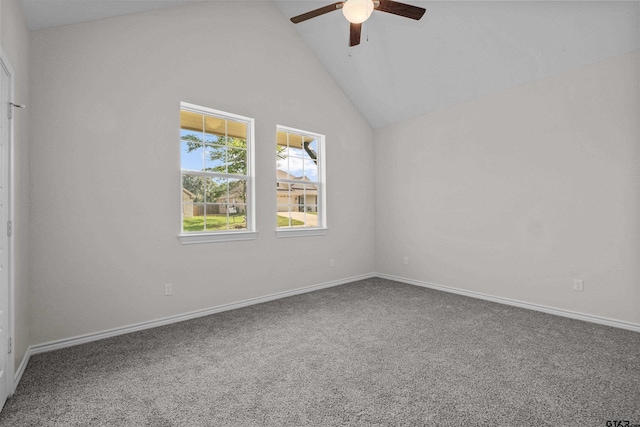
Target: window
300	184
216	157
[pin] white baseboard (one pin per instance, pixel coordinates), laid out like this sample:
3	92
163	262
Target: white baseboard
82	339
20	370
507	301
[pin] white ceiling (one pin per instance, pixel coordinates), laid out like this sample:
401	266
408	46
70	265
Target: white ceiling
462	50
459	51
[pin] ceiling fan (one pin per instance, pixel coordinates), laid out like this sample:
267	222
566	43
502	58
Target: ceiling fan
358	11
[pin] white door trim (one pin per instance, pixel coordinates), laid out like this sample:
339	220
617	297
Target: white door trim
4	62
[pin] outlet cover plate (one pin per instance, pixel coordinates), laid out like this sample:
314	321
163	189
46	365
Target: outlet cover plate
578	285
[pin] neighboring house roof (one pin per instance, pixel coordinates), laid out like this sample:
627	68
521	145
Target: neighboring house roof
285	175
295	188
188	193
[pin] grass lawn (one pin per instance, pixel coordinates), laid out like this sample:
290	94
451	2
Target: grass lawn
219	222
215	222
283	221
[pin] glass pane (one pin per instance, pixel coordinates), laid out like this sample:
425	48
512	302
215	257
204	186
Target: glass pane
296	152
191	155
190	135
309	195
215	158
190	121
283	198
192	187
280	154
309	154
293	218
237	130
281	220
236	143
297	206
310	220
213	139
311	170
283	208
237	216
237	191
191	151
216	217
237	161
295	140
192	217
282	162
215	128
297	201
281	139
313	146
217	190
287	219
295	167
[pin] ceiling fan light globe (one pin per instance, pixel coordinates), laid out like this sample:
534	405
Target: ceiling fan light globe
357	11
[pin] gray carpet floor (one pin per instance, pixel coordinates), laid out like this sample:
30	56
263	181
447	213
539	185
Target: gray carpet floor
370	353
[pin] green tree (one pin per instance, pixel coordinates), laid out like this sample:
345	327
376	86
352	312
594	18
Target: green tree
196	184
230	156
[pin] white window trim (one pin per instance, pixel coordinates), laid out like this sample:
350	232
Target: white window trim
299	232
321	229
227	236
195	238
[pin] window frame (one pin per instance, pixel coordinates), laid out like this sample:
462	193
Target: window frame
206	236
321	228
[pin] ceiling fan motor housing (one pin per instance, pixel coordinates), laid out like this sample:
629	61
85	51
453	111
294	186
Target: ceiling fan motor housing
357	11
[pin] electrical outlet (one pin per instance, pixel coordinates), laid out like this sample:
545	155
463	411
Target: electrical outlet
332	262
405	261
578	285
168	289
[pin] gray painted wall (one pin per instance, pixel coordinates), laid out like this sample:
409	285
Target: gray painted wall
106	165
518	193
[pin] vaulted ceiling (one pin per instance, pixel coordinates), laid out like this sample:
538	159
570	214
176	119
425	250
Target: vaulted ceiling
459	51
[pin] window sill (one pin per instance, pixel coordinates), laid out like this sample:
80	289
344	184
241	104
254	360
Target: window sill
299	232
191	239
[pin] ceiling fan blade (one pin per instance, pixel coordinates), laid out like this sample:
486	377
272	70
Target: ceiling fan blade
354	34
401	9
317	12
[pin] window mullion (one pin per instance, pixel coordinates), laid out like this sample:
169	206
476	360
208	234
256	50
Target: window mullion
297	181
227	197
303	198
215	174
204	148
